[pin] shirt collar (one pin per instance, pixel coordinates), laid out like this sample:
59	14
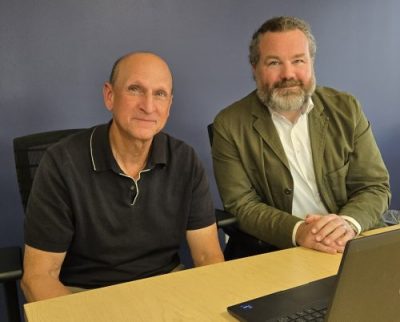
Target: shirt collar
103	159
308	106
305	109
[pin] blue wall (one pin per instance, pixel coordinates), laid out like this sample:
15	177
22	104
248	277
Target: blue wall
55	55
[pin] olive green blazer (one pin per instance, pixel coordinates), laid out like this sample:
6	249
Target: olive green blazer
253	176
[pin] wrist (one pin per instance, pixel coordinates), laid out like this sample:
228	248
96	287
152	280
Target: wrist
355	226
296	231
352	226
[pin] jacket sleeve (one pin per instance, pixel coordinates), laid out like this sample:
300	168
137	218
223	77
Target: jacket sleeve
237	179
367	179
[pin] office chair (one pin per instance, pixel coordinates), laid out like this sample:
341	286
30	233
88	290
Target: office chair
240	244
10	273
391	217
28	150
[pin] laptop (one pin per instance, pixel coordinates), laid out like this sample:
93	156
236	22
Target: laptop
366	288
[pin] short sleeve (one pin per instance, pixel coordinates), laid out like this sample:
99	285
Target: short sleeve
48	223
201	207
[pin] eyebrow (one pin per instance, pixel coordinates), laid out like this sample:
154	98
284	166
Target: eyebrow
277	57
269	58
143	86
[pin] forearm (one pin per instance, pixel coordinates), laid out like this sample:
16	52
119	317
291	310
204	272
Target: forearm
204	246
367	206
208	258
367	180
266	223
36	288
254	215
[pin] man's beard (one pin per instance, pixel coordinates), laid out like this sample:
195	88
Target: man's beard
281	98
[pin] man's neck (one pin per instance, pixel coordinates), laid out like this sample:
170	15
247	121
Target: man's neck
131	155
291	116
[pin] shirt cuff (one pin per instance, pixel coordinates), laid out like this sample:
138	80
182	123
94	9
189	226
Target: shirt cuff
295	232
353	224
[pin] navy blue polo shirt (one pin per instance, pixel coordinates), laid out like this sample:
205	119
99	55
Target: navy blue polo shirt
113	228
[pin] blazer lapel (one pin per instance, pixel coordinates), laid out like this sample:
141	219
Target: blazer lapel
318	124
265	127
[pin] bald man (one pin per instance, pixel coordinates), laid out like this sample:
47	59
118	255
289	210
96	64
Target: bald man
113	203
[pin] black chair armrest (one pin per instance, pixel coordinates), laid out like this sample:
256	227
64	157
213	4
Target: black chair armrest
10	264
10	273
224	219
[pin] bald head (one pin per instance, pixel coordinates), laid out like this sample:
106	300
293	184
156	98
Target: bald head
139	95
140	58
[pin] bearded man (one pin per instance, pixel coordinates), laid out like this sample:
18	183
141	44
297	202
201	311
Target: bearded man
296	163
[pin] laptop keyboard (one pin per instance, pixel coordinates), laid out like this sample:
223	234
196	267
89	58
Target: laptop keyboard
310	314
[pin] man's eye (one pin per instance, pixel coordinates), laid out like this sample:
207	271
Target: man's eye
161	94
298	61
273	63
135	89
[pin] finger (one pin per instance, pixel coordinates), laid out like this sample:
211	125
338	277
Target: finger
331	224
350	234
340	249
322	222
337	233
326	249
312	218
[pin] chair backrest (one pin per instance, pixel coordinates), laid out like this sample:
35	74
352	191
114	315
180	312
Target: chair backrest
210	133
28	151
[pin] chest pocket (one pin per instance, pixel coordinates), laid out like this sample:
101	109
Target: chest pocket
337	184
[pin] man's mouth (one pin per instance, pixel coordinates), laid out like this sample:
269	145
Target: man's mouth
145	120
288	84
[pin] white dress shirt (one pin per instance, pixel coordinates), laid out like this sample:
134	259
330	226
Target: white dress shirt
295	140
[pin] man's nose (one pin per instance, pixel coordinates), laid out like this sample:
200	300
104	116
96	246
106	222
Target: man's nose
287	71
147	104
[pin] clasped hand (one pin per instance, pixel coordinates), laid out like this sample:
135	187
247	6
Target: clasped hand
328	233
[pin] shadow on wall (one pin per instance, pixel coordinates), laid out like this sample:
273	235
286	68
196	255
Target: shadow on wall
391	156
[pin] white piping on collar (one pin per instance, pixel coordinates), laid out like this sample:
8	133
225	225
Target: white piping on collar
91	149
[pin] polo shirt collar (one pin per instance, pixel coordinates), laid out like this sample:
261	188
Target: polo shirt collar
103	159
158	151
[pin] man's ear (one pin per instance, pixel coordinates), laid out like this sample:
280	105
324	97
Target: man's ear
170	103
253	69
108	95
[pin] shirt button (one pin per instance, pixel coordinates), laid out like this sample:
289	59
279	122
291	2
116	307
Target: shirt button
288	191
132	188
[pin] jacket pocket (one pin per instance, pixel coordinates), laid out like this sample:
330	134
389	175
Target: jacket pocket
337	183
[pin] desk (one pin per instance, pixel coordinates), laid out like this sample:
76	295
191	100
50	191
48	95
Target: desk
380	230
200	294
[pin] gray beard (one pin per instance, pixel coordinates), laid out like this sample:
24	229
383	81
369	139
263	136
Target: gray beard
282	103
286	102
